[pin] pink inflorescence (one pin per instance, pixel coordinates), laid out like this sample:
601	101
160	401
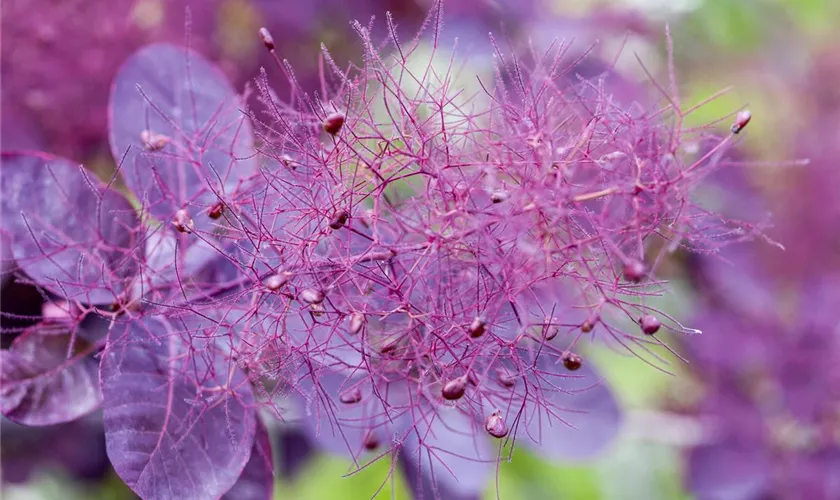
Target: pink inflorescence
415	265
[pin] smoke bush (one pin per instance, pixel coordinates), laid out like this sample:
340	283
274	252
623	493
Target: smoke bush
408	265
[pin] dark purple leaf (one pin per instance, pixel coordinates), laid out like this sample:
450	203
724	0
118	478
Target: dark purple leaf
453	453
49	379
20	306
180	126
563	417
295	449
68	232
257	480
75	448
179	422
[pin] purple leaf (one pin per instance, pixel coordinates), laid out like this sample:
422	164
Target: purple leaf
75	448
570	418
452	451
179	125
723	471
257	480
68	232
179	422
42	385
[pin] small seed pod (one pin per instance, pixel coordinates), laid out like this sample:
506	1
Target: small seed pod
317	310
183	222
339	219
499	195
312	296
635	271
587	326
741	121
216	210
351	396
371	442
389	347
505	378
454	389
572	361
650	324
152	141
333	123
288	162
477	327
357	322
550	332
276	281
266	38
495	425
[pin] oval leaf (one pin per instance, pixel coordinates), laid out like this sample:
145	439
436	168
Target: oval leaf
257	480
176	426
67	231
178	124
42	385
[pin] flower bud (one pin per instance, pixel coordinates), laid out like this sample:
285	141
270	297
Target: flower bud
312	296
741	121
495	425
505	378
339	219
499	195
357	321
216	210
477	327
351	396
572	361
635	271
333	123
276	281
650	324
266	38
183	222
152	141
371	442
454	389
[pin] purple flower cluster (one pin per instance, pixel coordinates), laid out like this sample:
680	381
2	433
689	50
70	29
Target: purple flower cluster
769	361
408	266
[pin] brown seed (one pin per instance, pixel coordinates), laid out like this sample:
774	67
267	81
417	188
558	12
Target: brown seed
267	39
635	271
454	389
495	425
477	327
333	123
183	222
650	324
339	219
351	396
216	210
741	121
499	196
371	442
572	361
587	326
